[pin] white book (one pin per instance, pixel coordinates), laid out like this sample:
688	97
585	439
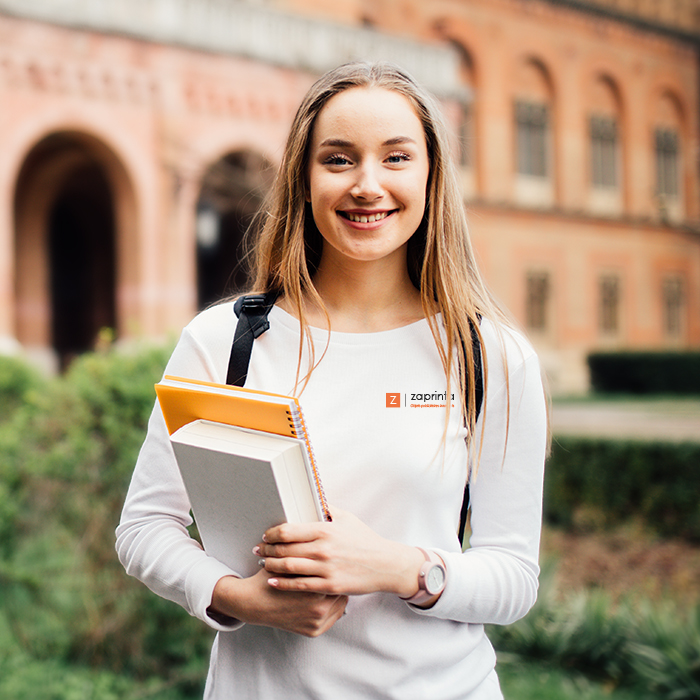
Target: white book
240	482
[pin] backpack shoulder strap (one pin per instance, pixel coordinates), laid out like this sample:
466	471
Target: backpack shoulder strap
478	400
252	311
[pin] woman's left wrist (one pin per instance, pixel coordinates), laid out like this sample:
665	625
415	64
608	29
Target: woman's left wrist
405	580
430	580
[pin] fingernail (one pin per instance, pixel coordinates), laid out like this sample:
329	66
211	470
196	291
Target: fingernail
256	549
264	538
273	582
261	563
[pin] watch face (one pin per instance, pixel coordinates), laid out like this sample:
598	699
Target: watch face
435	579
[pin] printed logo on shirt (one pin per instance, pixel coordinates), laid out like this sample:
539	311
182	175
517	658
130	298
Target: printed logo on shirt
413	399
393	400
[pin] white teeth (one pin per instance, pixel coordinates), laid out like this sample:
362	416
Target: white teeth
363	219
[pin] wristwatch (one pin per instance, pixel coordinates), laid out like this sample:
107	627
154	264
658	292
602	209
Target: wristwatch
431	578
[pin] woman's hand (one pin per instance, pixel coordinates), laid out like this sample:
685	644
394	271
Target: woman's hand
344	557
253	601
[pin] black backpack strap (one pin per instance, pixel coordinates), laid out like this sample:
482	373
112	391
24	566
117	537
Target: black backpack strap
478	401
252	311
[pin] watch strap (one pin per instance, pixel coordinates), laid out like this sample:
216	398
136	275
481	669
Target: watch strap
423	594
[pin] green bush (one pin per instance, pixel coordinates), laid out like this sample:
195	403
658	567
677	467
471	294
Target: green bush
612	481
652	649
17	379
66	457
645	372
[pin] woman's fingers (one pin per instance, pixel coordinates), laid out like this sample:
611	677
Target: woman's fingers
293	532
292	566
254	601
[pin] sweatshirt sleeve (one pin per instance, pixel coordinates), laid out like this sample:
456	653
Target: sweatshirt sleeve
495	580
153	543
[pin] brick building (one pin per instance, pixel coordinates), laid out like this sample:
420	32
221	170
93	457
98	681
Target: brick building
137	137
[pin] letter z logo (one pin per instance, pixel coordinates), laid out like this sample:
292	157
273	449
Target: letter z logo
393	400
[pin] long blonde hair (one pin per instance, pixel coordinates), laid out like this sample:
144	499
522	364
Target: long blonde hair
441	262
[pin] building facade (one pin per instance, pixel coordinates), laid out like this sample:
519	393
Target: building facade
138	139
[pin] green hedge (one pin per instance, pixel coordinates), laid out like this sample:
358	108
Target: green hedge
645	372
606	482
66	456
67	449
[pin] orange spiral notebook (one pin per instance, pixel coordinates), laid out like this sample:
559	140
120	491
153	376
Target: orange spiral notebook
184	401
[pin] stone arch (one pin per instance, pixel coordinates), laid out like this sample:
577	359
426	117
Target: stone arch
231	192
604	95
669	109
73	205
533	80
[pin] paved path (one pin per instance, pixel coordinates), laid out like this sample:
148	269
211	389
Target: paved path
652	419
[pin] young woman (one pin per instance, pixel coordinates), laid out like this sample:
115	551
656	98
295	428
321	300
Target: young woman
365	240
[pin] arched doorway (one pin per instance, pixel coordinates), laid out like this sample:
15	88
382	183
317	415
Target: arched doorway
232	190
65	249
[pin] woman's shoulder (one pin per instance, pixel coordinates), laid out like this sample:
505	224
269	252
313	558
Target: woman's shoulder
512	339
213	322
503	341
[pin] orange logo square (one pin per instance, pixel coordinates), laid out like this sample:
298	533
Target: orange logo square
393	400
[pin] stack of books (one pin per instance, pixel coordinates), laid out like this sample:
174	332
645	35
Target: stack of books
246	461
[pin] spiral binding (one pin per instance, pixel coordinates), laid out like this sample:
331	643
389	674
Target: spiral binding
300	431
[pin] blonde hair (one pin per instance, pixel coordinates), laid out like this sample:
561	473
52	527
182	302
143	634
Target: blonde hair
441	262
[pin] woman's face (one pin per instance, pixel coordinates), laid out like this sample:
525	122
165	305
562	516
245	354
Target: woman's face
368	175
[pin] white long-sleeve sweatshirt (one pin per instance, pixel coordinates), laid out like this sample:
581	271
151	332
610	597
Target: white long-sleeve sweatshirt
394	468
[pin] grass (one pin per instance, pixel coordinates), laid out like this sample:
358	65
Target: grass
528	680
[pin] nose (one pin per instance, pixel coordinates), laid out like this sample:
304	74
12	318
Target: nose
367	186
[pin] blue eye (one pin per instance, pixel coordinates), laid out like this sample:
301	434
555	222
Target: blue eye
336	159
398	157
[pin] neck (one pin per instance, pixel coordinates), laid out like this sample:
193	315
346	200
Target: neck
365	297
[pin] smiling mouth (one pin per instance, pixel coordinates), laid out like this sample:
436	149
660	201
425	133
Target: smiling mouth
365	218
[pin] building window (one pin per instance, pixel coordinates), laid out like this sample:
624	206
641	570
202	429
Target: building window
609	287
537	300
667	162
531	123
466	135
603	152
673	301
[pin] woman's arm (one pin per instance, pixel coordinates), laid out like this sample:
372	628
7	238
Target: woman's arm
493	581
496	579
154	545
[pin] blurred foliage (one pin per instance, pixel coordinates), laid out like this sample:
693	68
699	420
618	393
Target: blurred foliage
602	482
17	379
645	372
653	650
525	679
66	457
70	616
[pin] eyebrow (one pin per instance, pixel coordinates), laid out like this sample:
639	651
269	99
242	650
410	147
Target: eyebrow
342	143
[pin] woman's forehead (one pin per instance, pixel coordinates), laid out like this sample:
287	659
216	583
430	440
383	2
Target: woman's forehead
357	111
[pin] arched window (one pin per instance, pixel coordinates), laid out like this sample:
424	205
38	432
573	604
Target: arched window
65	249
605	173
668	148
467	130
532	108
231	193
